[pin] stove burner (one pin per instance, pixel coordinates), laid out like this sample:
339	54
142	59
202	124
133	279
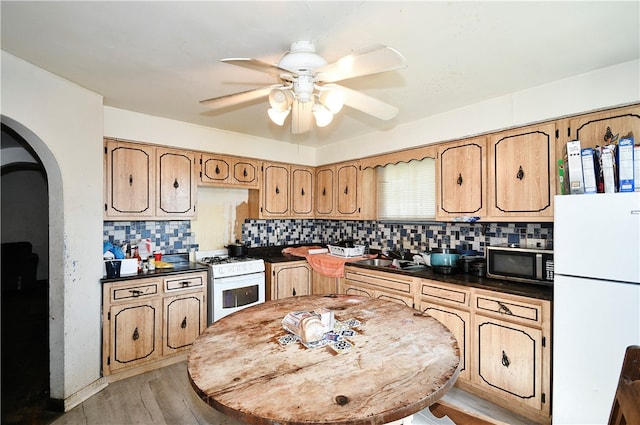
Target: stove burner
224	260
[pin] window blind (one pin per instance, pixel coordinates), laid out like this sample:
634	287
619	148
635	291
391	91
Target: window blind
407	191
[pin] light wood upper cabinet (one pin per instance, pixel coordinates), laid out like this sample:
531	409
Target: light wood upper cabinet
302	191
129	180
228	171
275	197
340	188
461	179
147	182
176	189
522	173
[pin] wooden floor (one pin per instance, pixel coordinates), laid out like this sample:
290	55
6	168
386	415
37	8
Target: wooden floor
165	396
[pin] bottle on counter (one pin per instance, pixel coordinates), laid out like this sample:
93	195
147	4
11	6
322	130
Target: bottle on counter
152	262
136	255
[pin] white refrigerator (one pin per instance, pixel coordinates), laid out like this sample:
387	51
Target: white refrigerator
596	301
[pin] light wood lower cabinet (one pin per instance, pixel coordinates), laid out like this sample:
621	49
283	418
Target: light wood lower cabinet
323	285
372	283
148	320
450	306
289	279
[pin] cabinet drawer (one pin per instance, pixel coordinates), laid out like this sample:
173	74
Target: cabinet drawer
509	309
184	282
141	290
398	283
439	293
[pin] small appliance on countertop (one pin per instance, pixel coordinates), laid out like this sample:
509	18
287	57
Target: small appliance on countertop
512	262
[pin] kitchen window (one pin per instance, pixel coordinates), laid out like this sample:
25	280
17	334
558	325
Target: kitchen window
407	191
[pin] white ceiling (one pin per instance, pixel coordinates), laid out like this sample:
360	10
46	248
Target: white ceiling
162	58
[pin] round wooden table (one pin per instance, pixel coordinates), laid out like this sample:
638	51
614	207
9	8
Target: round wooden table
401	361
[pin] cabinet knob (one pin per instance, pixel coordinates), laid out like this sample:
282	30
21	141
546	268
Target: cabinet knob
346	190
302	192
184	323
459	181
130	179
175	184
217	170
504	309
505	360
293	292
244	172
277	190
136	334
520	174
324	191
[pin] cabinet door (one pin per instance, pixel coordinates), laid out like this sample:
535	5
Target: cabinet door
323	285
176	185
215	170
301	191
457	321
325	191
130	171
135	333
184	320
291	280
245	173
275	190
591	129
522	173
347	190
509	360
461	179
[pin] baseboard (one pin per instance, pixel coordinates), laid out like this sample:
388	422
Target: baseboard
64	405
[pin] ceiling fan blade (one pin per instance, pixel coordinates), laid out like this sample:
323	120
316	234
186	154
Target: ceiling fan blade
379	59
229	100
258	65
367	104
301	116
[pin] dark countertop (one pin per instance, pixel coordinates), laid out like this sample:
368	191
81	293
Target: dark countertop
177	269
274	254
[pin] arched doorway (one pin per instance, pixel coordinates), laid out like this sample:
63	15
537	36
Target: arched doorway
26	364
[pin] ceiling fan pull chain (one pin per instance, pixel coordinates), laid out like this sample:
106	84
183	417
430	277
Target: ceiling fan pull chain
459	181
520	174
175	184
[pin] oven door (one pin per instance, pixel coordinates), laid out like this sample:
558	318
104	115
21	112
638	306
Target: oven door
230	294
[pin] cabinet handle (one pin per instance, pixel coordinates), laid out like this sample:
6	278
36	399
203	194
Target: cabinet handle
504	309
244	172
520	174
135	335
459	181
324	191
302	192
185	284
294	292
217	170
277	190
346	190
135	292
130	179
505	359
175	183
184	323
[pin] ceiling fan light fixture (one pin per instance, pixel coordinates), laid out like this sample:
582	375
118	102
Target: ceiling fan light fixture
278	117
280	99
322	115
332	98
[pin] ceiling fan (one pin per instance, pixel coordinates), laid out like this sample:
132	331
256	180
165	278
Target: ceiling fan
306	85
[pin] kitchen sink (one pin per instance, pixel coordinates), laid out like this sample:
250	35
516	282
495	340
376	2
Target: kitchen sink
383	263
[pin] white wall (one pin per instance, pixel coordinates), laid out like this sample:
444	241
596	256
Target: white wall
602	88
63	124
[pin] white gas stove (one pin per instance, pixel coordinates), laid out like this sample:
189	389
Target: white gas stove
234	282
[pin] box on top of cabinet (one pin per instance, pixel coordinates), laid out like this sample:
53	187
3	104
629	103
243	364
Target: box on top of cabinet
625	165
573	167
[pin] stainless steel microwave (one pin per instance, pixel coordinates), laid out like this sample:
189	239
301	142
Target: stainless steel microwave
533	265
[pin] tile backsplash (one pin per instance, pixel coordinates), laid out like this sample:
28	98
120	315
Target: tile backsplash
176	236
409	236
